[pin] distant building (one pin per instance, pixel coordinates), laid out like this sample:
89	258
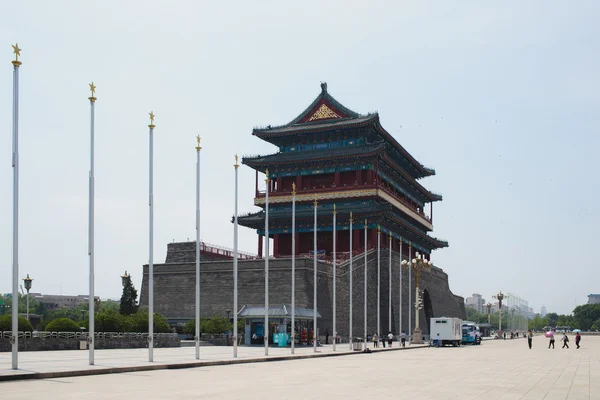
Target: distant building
593	298
53	301
543	311
476	302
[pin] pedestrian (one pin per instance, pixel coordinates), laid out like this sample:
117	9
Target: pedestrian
565	340
326	336
577	339
551	336
529	338
390	338
374	340
504	333
383	341
403	339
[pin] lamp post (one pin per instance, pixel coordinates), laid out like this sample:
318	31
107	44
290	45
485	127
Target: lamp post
419	265
489	308
27	282
499	296
124	278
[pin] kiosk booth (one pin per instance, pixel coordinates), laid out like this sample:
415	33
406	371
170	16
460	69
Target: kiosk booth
280	325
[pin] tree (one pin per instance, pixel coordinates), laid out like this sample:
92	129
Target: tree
552	318
586	315
63	325
538	322
6	324
128	298
139	323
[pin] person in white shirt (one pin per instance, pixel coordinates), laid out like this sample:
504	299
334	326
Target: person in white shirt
403	339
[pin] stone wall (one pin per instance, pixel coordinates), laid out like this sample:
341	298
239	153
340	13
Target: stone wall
43	344
174	291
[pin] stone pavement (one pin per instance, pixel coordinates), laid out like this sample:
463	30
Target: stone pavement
497	369
52	364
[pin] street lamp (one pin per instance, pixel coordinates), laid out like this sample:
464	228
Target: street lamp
125	278
499	296
27	282
228	311
419	265
489	308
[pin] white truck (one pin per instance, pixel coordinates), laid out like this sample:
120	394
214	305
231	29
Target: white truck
446	331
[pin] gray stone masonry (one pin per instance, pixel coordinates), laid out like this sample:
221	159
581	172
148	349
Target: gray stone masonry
174	291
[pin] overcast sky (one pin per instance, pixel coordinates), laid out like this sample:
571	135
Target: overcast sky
501	100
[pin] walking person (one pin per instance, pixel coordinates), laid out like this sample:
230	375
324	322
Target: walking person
326	336
374	340
383	341
565	340
529	338
550	334
403	339
390	338
577	339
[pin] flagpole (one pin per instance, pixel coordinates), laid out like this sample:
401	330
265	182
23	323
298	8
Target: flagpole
15	250
266	328
315	281
334	275
293	330
235	262
390	286
400	295
151	242
91	248
409	293
197	327
365	288
378	330
350	307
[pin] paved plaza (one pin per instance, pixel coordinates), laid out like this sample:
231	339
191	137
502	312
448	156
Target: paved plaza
496	370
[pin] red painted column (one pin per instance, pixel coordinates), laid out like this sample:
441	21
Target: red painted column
256	184
299	182
260	246
373	237
336	178
278	187
358	177
276	245
356	243
369	176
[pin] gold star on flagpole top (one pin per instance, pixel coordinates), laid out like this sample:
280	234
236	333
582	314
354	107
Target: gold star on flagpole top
93	90
267	175
293	187
151	113
198	143
17	53
236	161
334	207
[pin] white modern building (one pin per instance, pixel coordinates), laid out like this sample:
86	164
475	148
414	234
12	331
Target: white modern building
593	298
476	302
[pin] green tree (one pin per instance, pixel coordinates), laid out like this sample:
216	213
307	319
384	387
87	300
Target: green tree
538	322
586	315
63	325
129	298
552	319
6	324
139	323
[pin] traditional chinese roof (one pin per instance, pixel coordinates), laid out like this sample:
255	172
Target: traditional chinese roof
326	114
374	211
261	163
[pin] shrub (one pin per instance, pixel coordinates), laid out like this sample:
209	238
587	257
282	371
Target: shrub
63	325
6	324
190	327
111	321
138	322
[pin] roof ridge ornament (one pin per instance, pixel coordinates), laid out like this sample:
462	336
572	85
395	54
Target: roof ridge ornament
324	87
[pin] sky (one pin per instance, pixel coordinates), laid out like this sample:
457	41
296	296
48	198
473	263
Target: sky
501	98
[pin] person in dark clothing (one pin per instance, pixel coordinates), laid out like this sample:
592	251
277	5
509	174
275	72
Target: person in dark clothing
529	338
565	340
326	336
577	339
